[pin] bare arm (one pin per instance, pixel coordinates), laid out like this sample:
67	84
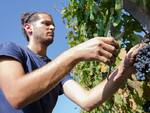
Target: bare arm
21	89
96	96
104	90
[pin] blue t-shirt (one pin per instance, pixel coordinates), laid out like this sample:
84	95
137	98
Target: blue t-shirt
30	61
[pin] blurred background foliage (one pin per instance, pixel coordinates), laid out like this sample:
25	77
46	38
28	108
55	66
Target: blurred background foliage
86	19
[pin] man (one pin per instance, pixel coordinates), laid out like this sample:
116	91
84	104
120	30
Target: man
30	83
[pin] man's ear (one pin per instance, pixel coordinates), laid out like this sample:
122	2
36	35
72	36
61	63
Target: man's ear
28	28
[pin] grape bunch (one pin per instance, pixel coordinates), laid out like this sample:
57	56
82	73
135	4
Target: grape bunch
142	64
146	106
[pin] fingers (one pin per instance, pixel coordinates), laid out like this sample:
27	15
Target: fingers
109	48
98	48
130	57
104	60
110	41
106	57
105	53
134	50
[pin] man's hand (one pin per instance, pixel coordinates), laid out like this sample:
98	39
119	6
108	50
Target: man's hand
129	59
99	48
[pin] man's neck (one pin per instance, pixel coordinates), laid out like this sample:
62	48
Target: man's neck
38	49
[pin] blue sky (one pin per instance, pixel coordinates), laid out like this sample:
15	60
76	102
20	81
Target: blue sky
10	30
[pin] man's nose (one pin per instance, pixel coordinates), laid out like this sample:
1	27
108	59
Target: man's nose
52	27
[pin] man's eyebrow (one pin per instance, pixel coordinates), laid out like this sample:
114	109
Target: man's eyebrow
47	21
43	21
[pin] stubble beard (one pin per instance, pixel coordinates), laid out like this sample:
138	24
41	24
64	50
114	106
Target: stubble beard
48	42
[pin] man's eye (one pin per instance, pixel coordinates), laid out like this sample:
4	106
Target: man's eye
47	23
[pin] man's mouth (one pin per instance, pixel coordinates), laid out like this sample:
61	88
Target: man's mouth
50	34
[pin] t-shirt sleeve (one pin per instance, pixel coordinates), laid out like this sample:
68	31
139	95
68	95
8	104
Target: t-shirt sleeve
65	79
10	49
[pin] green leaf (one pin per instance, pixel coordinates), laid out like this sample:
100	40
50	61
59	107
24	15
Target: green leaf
118	99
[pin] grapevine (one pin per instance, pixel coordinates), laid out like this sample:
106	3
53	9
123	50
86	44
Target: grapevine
86	19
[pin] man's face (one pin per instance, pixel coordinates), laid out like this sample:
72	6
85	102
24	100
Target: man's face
43	29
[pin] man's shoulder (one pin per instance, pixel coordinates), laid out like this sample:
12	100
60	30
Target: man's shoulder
11	49
9	44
